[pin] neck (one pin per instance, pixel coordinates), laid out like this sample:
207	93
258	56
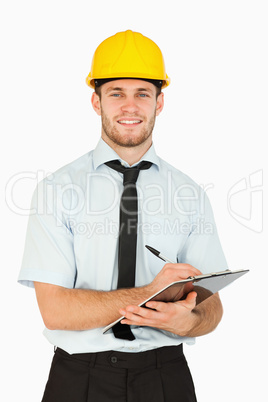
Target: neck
129	154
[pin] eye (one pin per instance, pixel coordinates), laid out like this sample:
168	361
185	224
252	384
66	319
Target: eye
143	95
115	95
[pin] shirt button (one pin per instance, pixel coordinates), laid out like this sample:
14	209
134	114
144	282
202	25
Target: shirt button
114	359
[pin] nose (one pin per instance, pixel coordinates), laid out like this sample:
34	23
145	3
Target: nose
130	105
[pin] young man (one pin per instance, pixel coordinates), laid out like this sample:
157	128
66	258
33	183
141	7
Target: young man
85	248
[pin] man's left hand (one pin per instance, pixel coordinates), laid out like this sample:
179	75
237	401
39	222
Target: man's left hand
176	317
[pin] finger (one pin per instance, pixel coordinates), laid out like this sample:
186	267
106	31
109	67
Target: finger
130	309
191	296
139	311
190	301
140	316
180	271
192	271
137	322
183	267
157	306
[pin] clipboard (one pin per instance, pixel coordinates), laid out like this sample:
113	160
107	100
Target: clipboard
206	284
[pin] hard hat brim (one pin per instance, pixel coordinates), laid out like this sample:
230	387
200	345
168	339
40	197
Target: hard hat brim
91	81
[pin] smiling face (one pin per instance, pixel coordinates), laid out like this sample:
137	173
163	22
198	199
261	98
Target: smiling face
128	108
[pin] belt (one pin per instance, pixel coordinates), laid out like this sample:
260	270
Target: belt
151	358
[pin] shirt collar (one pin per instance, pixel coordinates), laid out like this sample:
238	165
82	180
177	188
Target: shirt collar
104	153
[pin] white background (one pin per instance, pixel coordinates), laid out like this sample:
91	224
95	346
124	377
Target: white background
213	128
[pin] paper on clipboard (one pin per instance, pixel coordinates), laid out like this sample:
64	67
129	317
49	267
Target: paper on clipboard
208	284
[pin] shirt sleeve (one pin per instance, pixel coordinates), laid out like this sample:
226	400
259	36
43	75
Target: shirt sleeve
202	248
48	253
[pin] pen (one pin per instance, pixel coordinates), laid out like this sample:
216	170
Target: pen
159	255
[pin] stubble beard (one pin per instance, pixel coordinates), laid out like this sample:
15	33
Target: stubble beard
127	140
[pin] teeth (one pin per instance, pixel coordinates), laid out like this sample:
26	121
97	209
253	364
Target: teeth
129	121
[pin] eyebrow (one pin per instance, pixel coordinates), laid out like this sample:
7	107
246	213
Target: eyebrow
111	89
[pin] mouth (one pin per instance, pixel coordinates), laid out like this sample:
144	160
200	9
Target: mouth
129	122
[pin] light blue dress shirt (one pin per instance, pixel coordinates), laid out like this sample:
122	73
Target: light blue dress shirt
72	237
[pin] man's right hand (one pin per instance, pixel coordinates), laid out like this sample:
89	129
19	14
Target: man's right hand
172	273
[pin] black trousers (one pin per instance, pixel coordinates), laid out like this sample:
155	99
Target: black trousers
160	375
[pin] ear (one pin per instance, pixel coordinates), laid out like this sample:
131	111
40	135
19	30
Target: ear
95	101
159	103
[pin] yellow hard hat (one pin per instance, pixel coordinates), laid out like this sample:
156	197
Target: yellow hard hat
128	55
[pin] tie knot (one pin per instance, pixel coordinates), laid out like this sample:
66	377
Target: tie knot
130	174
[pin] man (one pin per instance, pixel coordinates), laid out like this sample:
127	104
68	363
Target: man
88	233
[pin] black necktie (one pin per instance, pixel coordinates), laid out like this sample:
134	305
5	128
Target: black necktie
127	234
